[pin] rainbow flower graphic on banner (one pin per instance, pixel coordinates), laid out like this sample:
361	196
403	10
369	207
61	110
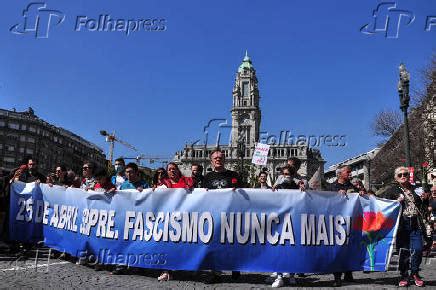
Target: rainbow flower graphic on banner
374	227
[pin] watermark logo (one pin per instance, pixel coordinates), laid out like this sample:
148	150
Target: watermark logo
430	22
38	20
387	19
218	131
215	132
105	23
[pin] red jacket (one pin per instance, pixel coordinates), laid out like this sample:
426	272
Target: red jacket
184	182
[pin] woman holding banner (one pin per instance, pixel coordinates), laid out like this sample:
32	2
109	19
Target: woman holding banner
411	227
175	180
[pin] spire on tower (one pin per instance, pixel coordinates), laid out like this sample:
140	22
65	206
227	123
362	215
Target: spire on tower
246	63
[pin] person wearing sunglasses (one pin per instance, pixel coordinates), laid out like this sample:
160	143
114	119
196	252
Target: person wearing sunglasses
295	163
88	179
411	227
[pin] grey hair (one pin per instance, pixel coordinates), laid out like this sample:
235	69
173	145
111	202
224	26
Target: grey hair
340	168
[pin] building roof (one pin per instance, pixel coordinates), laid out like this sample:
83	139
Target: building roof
30	115
364	156
246	63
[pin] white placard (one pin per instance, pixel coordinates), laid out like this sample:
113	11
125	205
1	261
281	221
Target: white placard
260	155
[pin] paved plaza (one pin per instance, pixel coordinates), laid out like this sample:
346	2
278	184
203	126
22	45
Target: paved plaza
55	273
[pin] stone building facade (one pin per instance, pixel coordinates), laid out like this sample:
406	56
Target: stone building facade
360	167
25	134
245	129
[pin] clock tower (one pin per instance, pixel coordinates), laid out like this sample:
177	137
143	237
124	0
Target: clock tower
245	109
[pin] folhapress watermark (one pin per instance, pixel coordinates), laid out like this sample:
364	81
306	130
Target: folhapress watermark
38	20
387	19
285	137
105	23
218	131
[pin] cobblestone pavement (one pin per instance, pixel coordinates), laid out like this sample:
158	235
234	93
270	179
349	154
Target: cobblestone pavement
55	273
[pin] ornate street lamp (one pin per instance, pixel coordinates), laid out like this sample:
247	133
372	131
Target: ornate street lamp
403	92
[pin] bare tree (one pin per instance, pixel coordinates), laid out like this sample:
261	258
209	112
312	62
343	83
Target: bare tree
424	79
386	123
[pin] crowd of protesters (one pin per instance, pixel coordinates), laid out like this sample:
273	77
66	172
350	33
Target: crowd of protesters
417	220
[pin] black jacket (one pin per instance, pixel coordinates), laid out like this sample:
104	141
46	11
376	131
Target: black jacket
28	177
347	186
393	192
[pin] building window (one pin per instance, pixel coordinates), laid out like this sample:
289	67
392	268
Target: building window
21	150
245	89
2	123
9	159
23	138
1	146
23	127
15	126
32	129
9	147
29	151
31	139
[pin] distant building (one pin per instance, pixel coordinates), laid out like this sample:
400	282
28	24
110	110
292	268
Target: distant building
23	134
360	168
245	128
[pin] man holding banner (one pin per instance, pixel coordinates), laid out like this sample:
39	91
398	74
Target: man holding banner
343	186
220	177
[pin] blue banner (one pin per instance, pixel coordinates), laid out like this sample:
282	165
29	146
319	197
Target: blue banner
246	229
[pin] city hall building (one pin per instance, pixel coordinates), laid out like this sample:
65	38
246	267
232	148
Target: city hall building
245	129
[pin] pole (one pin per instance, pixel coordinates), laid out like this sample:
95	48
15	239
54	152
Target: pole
407	139
403	90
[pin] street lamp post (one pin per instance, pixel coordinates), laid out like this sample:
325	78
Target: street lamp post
403	92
